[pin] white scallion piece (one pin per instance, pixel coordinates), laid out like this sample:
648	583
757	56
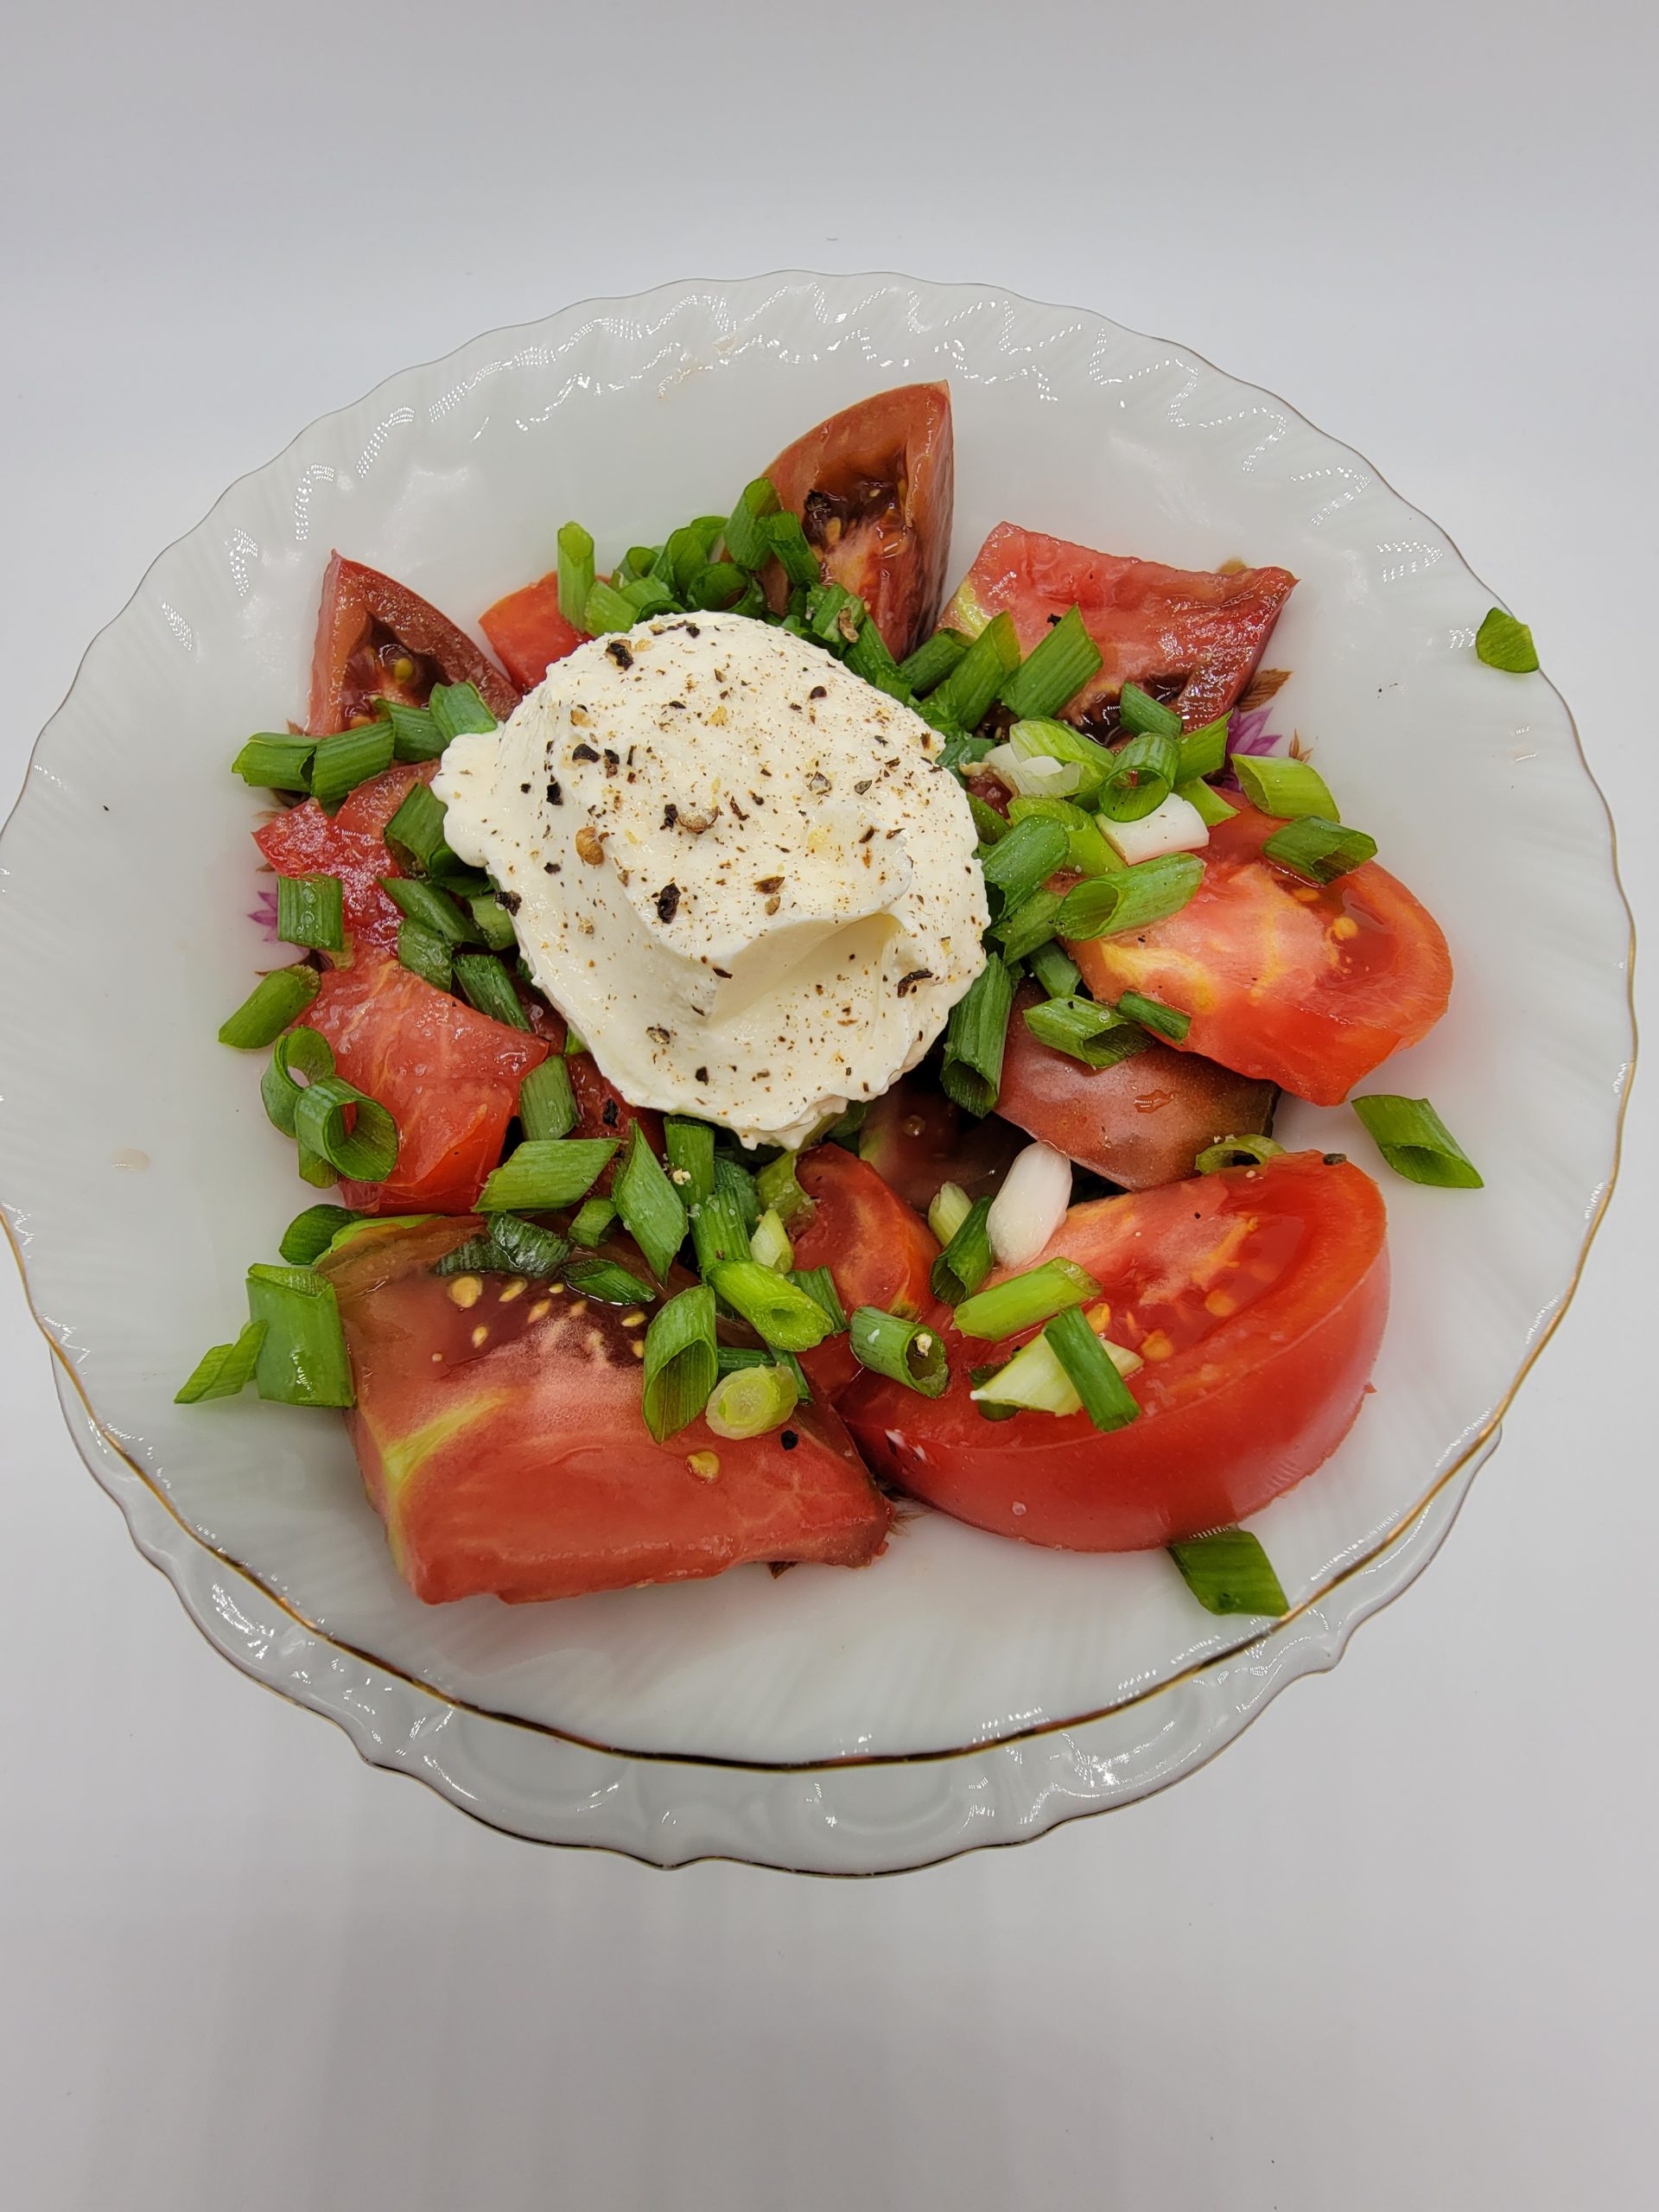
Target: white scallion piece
1030	1205
1175	827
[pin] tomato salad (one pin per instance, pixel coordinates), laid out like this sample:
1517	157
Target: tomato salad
1007	1233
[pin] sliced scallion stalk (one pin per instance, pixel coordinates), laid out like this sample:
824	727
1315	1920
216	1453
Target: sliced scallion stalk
1152	1013
1202	751
274	1000
433	910
1091	1371
1023	1300
547	1105
1056	971
653	1210
777	1309
734	1358
991	826
310	911
867	656
486	985
691	1148
1038	739
1207	804
681	1363
1289	788
271	763
1086	850
1248	1151
787	542
966	1260
303	1051
966	696
1144	772
1501	642
491	920
719	1229
1057	669
769	1242
907	1351
1318	851
609	1282
366	1151
542	1176
1144	715
416	836
1228	1572
746	542
738	1184
479	1256
415	735
819	1284
225	1370
302	1359
1036	1380
1027	856
949	1207
527	1248
1133	898
717	586
1415	1141
752	1401
593	1222
1030	927
932	661
777	1187
575	573
459	711
975	1036
1096	1035
341	764
308	1236
688	550
607	609
427	955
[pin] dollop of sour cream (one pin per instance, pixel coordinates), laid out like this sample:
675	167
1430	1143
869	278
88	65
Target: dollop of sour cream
736	868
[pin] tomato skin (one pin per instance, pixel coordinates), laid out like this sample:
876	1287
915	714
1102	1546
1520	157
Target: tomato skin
518	1464
528	631
917	1141
363	618
1140	1123
878	1250
448	1076
1252	1404
602	1111
875	488
1272	992
1156	626
304	841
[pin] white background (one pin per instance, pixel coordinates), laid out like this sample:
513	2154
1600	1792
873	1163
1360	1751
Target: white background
1397	1947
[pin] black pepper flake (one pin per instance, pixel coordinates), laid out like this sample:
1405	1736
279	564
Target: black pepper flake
619	652
818	691
613	761
788	1439
671	815
610	1113
817	781
549	867
868	834
736	809
680	703
770	883
700	1075
524	787
555	794
907	983
668	902
861	788
510	899
663	1036
584	753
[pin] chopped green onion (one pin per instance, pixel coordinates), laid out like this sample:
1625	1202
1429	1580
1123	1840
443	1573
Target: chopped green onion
1056	971
1228	1572
908	1351
1106	906
341	764
1143	774
966	1260
1143	715
769	1243
1318	850
932	662
1038	740
987	1408
1024	859
719	585
638	561
967	694
302	1359
680	1363
831	614
1098	1036
975	1036
648	595
274	1000
1056	669
992	827
819	1285
1091	1371
961	752
746	542
720	1226
274	764
373	1224
1023	1300
493	922
738	1184
867	656
607	609
1209	805
787	541
308	1236
653	1210
416	836
309	1052
732	1359
777	1309
365	1152
1152	1013
1202	751
432	909
951	1207
224	1371
1248	1151
487	985
310	909
777	1187
1289	788
1086	850
542	1175
593	1222
1415	1141
547	1105
1501	642
459	711
691	1148
688	550
613	1285
528	1249
415	733
1036	1381
573	1042
479	1256
1030	927
427	955
752	1401
575	573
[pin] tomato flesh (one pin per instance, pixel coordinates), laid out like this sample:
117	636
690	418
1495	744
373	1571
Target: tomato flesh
528	631
1305	987
917	1140
1191	634
351	844
879	1251
874	487
1140	1123
376	638
448	1075
1256	1297
499	1430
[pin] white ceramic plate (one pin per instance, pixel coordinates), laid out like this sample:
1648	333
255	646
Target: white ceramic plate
842	1722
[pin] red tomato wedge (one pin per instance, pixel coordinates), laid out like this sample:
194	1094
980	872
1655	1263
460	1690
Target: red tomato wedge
502	1440
1140	1123
529	633
877	1250
917	1141
376	638
874	487
1304	986
448	1075
602	1111
1193	635
350	844
1256	1297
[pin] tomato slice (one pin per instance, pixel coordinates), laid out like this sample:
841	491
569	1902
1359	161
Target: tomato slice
1308	987
877	1250
376	638
1140	1123
917	1140
528	631
351	844
602	1111
448	1075
874	487
1194	636
1257	1299
499	1430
